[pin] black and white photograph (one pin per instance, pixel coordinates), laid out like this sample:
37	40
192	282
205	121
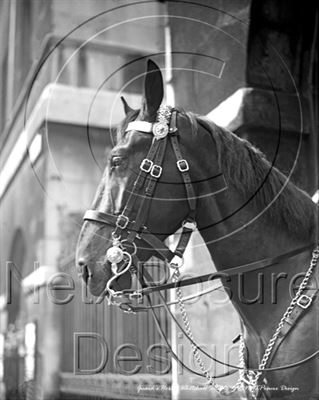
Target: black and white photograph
159	191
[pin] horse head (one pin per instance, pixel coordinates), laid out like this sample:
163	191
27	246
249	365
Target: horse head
146	192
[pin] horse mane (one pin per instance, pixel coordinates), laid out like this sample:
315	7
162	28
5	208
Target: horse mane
248	171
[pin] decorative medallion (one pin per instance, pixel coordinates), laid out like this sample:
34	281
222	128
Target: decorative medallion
114	255
160	130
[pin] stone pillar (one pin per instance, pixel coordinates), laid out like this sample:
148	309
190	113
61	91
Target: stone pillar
272	109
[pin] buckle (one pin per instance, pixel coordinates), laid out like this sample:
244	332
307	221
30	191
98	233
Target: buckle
156	171
182	165
189	225
122	221
304	301
146	165
176	262
135	296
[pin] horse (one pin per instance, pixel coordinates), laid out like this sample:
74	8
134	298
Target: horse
170	169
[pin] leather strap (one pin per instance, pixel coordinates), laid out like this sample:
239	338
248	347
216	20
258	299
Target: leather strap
191	198
145	168
156	244
173	123
152	179
183	241
141	126
229	272
303	305
110	219
99	216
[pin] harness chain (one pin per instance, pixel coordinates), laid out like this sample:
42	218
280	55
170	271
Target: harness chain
222	389
247	379
255	375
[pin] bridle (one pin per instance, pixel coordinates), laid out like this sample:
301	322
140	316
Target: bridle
123	253
150	170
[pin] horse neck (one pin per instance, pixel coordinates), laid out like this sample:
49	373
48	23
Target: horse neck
253	293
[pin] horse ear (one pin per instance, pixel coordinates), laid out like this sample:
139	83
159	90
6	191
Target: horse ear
153	90
127	108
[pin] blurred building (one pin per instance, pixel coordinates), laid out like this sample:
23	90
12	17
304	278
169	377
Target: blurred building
63	66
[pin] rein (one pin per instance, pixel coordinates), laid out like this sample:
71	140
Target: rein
226	274
123	258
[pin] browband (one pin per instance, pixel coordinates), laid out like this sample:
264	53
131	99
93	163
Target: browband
160	128
141	126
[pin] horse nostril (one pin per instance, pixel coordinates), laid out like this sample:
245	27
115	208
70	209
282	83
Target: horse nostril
83	271
81	262
84	274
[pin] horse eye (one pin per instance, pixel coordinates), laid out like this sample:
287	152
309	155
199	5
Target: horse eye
116	161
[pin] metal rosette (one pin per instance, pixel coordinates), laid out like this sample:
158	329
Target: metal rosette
160	130
161	127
